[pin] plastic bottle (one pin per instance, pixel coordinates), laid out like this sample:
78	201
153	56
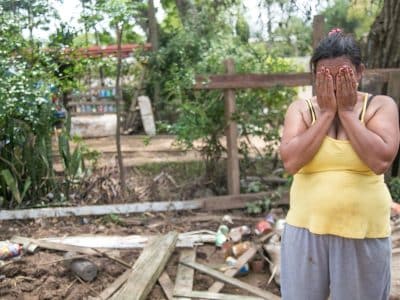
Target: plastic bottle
237	233
263	226
221	235
240	248
8	250
231	261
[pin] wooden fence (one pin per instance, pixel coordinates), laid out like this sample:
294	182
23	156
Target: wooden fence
230	82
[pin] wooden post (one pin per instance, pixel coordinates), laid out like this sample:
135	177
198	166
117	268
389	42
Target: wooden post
394	92
318	30
317	35
231	133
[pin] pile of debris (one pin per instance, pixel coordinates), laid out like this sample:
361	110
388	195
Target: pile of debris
251	247
246	255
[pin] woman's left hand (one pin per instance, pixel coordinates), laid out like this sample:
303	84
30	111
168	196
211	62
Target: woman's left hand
346	89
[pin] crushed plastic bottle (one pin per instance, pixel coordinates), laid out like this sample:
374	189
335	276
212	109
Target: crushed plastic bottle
262	226
9	250
221	235
236	234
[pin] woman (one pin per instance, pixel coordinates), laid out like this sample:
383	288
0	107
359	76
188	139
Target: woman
338	145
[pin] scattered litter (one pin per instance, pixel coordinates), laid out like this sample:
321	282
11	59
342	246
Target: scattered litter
222	235
227	219
9	250
236	234
263	226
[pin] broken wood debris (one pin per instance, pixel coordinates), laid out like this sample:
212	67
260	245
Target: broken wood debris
233	281
184	276
185	240
167	285
243	259
148	268
216	296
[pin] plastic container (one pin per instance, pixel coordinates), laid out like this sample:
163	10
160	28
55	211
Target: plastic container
231	261
237	233
262	227
240	248
221	236
9	250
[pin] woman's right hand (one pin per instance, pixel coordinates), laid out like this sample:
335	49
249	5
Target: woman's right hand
324	88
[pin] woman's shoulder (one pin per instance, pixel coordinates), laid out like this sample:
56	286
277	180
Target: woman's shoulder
377	101
380	105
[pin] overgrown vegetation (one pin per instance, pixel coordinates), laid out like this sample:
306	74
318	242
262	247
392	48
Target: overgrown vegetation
192	38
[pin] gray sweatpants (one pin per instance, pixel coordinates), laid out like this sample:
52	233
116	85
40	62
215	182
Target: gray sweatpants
314	266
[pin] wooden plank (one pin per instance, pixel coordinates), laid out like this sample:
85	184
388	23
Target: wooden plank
252	81
184	275
100	209
242	260
185	240
208	203
111	289
232	201
148	268
216	296
54	246
263	81
231	132
167	285
233	281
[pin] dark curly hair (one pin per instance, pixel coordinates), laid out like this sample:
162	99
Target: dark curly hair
337	44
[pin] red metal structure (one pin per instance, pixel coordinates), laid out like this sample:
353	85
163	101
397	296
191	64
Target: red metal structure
111	50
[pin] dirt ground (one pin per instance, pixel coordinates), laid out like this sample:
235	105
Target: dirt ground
140	149
43	276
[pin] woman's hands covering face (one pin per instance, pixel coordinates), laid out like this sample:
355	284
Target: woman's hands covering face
346	89
325	91
339	94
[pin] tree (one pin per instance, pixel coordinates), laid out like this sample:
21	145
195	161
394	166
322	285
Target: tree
26	119
382	48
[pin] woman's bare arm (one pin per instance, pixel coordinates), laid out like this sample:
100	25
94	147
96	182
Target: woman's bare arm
299	142
376	142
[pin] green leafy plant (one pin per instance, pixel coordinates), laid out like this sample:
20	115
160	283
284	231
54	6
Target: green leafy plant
394	188
12	184
260	206
112	218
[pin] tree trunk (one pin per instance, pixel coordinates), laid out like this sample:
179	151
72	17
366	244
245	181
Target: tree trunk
382	49
118	98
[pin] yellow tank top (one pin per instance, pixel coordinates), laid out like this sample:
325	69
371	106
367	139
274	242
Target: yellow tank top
337	193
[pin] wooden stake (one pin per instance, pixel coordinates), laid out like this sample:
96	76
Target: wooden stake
231	133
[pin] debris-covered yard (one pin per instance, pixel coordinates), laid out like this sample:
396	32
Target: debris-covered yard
151	255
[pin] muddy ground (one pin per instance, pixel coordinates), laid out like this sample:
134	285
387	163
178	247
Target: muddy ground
44	276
